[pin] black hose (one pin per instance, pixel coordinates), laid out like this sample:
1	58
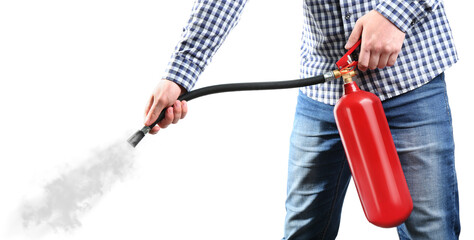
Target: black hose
233	87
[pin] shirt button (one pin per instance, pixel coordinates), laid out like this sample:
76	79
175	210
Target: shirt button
348	16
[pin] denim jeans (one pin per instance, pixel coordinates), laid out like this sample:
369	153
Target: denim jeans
318	172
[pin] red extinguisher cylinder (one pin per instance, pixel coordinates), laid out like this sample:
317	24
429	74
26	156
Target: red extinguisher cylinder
372	157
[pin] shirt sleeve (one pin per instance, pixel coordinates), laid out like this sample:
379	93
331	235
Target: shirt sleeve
406	13
208	26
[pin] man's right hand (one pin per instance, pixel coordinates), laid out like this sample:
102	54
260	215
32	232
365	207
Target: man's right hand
165	95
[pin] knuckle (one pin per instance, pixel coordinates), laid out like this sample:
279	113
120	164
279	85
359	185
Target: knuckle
388	48
373	66
169	113
393	49
377	48
366	45
177	106
362	67
161	101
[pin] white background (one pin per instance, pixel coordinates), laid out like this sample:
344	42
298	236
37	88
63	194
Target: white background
76	75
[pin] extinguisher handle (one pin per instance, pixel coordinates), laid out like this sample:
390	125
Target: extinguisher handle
350	56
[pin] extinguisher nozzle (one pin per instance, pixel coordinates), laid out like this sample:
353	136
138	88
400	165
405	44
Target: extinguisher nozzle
138	136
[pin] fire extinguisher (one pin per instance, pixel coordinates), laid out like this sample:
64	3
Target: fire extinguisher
371	152
364	132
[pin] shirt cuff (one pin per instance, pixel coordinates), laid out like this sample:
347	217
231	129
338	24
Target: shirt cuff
182	71
404	14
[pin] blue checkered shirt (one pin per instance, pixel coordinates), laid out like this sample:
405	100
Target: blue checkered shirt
427	51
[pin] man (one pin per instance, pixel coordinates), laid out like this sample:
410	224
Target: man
406	46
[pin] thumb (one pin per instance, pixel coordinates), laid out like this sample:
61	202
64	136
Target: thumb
355	35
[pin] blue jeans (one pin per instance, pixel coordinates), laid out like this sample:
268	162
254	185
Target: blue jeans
318	172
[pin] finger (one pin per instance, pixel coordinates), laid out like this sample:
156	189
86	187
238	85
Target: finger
364	57
169	116
374	60
355	35
155	130
177	112
383	61
392	59
184	105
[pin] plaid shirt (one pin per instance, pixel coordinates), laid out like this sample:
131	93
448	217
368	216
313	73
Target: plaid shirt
427	51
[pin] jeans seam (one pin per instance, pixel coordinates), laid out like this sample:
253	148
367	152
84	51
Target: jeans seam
454	216
453	171
446	101
453	196
338	184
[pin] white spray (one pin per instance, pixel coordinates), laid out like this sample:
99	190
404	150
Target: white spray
62	201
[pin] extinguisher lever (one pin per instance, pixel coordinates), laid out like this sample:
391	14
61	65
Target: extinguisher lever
349	58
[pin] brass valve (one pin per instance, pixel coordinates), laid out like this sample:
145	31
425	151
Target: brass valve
346	76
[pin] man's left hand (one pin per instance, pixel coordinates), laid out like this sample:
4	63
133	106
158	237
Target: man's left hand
381	41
